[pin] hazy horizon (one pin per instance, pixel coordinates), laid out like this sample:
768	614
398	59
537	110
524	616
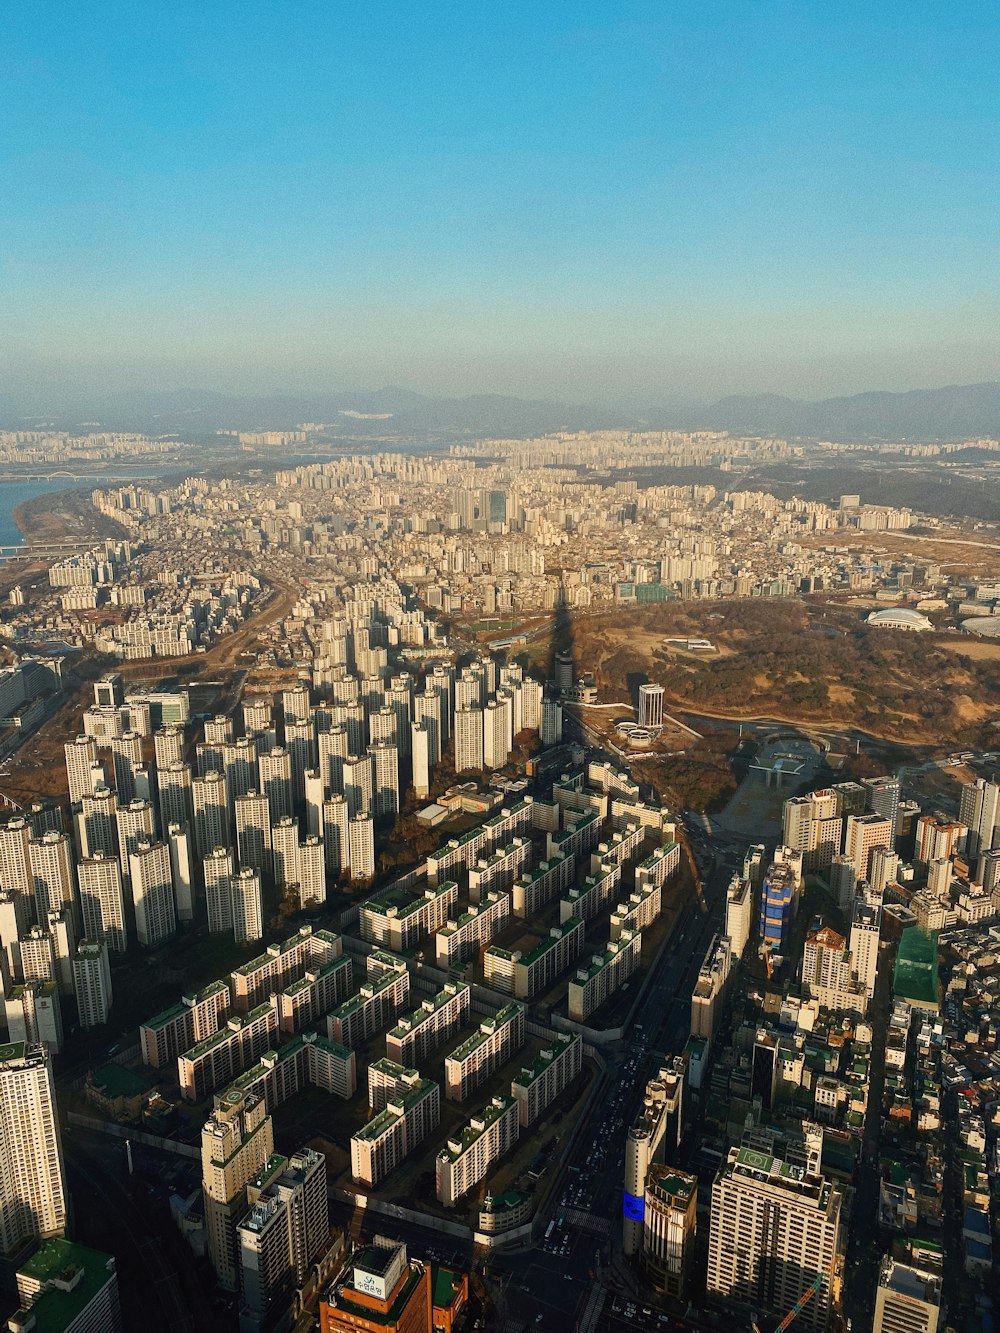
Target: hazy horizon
650	204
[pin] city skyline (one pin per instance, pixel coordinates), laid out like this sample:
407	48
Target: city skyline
599	205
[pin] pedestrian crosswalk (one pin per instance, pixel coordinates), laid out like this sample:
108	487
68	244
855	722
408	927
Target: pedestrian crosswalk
597	1226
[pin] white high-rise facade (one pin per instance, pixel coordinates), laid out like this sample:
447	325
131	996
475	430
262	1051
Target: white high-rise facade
32	1177
152	893
102	901
92	983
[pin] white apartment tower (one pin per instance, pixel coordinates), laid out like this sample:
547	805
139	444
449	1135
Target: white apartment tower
361	835
218	871
81	756
248	906
53	877
102	901
253	830
92	982
468	739
276	781
32	1178
152	893
775	1228
420	751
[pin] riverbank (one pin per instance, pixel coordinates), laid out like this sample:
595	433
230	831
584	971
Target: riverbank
64	516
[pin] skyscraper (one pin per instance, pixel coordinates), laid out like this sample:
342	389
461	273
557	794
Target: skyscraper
92	982
32	1179
236	1141
775	1228
152	893
650	713
102	901
979	811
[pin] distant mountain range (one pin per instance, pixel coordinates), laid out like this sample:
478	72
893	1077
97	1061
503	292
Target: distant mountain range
955	412
958	411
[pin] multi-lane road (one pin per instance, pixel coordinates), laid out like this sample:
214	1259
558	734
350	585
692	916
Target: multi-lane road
572	1278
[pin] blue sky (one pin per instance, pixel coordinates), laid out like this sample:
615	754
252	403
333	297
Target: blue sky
558	198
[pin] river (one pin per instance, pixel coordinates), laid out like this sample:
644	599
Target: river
13	493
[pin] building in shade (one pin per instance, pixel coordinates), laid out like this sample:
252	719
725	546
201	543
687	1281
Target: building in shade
979	811
286	1230
650	712
92	982
67	1288
775	1230
379	1291
668	1229
152	893
32	1181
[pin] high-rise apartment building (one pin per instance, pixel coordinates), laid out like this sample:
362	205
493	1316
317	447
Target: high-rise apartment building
236	1141
32	1178
53	874
361	841
775	1229
276	782
248	905
468	739
102	901
81	756
92	983
979	811
218	873
152	893
211	813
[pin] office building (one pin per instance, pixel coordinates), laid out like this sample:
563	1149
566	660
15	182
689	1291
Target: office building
863	833
656	1128
775	1228
882	798
32	1178
286	1230
379	1291
739	910
650	712
668	1229
907	1298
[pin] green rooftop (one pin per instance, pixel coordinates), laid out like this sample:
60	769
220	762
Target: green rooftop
477	1127
12	1051
550	941
65	1262
116	1081
444	1286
